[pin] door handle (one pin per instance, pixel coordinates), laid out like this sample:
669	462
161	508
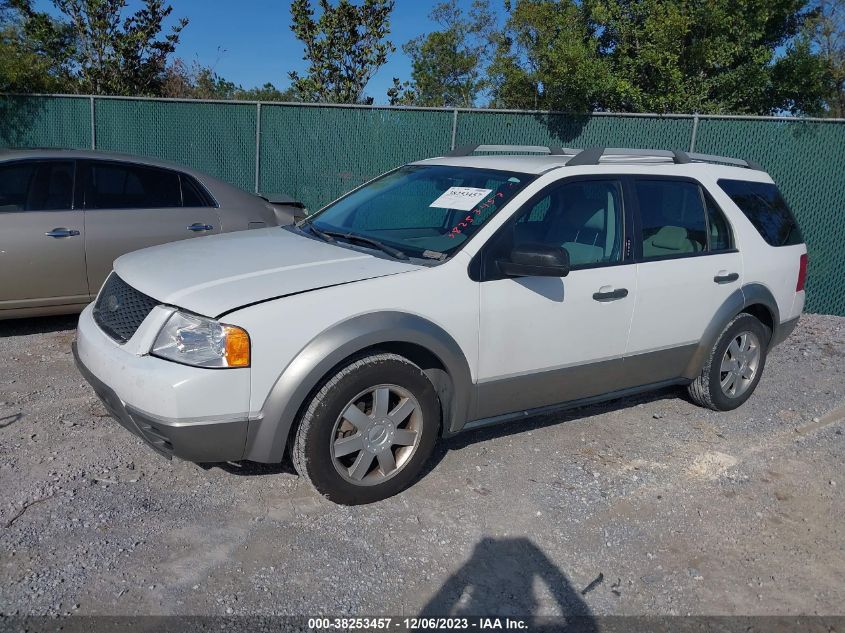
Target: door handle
198	226
725	278
62	232
611	295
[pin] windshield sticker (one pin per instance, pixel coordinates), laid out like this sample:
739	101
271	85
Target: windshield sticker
434	255
460	198
469	219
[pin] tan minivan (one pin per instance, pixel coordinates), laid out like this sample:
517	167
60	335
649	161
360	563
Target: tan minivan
65	215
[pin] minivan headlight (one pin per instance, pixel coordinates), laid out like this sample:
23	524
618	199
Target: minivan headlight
195	340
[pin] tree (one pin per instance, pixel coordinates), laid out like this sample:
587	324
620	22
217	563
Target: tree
203	82
827	36
28	65
548	58
716	57
449	65
719	56
344	47
110	53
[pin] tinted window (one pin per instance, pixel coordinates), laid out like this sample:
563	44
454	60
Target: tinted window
583	217
36	186
14	185
117	186
192	196
720	231
52	187
672	216
763	205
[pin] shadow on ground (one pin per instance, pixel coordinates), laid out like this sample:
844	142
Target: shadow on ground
38	325
499	580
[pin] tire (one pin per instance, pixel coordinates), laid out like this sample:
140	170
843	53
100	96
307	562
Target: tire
334	441
707	389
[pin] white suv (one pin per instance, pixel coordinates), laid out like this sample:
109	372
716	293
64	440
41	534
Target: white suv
445	295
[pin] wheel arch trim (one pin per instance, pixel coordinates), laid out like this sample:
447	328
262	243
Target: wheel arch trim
268	434
742	298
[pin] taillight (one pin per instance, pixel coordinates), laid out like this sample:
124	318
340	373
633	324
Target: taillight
802	273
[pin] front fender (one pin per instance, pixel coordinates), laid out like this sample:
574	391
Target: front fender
268	435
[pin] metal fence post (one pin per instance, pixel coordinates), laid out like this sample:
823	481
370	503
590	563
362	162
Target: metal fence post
257	145
694	132
93	124
454	126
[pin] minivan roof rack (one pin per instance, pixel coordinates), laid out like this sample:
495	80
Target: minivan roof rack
466	150
593	156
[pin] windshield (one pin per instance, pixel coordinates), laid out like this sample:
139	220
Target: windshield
426	211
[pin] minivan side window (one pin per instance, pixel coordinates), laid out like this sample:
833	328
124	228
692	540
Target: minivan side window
584	217
36	186
764	206
123	186
720	231
672	217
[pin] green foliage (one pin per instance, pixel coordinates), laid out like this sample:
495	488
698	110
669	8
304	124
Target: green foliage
449	64
202	82
33	53
344	47
719	56
826	34
102	50
548	58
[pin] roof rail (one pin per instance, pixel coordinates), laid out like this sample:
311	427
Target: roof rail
466	150
593	156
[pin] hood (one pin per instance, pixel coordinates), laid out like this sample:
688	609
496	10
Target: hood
215	274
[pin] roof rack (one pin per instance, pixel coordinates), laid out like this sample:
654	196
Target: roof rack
466	150
593	156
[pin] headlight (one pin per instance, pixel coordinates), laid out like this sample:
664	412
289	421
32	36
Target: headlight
195	340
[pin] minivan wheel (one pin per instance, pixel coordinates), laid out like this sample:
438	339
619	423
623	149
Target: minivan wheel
368	431
734	366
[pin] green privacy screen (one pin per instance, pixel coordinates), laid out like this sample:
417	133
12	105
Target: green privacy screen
315	153
217	138
807	160
45	122
573	131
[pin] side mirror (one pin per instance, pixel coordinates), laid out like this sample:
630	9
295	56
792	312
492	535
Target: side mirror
535	260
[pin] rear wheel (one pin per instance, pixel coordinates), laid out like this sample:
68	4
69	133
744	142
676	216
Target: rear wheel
368	431
734	366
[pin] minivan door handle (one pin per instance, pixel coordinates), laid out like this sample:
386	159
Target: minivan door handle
199	226
611	295
725	278
62	232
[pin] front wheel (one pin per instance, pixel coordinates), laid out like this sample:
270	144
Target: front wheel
367	433
734	366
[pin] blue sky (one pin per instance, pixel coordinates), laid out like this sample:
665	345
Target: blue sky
250	41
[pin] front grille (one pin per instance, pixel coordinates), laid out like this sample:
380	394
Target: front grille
120	309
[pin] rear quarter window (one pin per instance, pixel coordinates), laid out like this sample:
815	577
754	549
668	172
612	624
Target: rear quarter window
764	206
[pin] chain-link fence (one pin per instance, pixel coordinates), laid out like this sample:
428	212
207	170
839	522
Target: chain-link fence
316	152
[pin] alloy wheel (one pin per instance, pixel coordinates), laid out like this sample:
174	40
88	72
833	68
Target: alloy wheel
376	434
740	364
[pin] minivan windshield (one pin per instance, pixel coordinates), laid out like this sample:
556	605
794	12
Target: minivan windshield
425	211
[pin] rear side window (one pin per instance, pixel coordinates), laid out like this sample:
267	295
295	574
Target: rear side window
192	194
36	186
720	232
673	218
764	206
119	186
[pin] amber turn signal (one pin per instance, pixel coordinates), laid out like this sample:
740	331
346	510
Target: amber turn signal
237	346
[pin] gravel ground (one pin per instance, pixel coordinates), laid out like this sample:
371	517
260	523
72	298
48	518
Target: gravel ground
676	509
